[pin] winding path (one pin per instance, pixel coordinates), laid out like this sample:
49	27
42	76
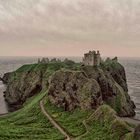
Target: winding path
67	136
55	124
62	130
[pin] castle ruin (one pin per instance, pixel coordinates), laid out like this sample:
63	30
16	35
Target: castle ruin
43	60
46	60
92	58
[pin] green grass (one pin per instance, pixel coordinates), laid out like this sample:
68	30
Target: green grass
48	68
98	132
110	65
28	123
31	67
70	121
51	66
105	125
130	136
102	125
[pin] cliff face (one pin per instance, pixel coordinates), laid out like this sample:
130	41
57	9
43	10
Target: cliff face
109	87
23	83
28	81
86	88
71	89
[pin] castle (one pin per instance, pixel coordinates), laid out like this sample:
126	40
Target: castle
92	58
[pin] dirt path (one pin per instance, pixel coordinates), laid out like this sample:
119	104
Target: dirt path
67	136
54	123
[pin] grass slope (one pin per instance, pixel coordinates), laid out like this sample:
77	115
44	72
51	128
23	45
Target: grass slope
70	121
28	123
105	125
102	124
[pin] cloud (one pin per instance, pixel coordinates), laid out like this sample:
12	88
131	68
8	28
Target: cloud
61	22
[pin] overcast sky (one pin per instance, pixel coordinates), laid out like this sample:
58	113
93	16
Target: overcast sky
69	27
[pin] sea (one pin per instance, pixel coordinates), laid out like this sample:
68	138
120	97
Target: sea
131	65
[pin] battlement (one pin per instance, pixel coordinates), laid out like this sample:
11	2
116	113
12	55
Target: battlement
92	58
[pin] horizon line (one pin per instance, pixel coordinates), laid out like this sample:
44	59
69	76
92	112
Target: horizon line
66	56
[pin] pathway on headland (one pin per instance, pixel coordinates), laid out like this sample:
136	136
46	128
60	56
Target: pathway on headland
54	123
67	136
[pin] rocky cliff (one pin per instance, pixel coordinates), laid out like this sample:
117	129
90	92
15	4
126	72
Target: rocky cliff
24	83
71	89
70	86
91	87
28	81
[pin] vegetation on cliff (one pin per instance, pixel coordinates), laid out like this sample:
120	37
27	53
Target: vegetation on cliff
76	97
90	87
30	80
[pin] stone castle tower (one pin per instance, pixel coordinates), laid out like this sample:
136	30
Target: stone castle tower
92	58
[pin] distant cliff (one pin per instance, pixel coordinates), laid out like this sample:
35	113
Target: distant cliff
71	85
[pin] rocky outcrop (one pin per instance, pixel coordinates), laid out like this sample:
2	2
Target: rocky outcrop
6	77
26	85
23	84
27	81
71	89
112	81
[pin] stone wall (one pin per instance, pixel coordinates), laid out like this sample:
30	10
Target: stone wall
92	58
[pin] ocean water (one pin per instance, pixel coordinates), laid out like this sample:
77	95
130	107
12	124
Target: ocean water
132	67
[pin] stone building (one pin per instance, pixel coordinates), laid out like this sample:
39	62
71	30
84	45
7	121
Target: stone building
92	58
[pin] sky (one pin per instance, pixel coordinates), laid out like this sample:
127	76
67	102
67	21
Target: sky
69	27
